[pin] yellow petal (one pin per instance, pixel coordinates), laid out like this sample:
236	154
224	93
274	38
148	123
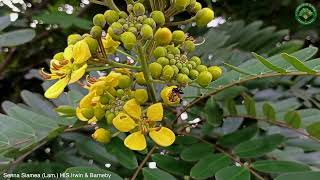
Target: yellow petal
166	93
68	52
163	137
136	141
55	90
155	112
86	100
123	122
81	52
133	109
79	115
112	79
77	74
109	44
92	120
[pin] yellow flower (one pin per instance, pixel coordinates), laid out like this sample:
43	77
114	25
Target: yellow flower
109	44
68	70
133	118
102	135
170	95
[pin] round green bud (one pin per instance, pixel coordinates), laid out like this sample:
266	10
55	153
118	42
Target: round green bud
170	56
99	20
59	56
120	92
173	61
163	36
139	26
102	135
192	4
117	28
140	19
193	64
129	8
179	65
167	72
92	43
104	100
178	37
150	22
204	16
216	72
181	4
182	78
197	7
146	32
129	40
204	78
200	68
96	32
158	17
141	96
99	113
122	21
189	66
124	81
87	112
193	74
134	30
185	70
140	78
173	50
188	46
163	61
109	116
138	9
196	59
74	38
155	70
123	14
111	16
176	69
160	52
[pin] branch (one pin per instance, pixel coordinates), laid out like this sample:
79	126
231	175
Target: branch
7	60
143	162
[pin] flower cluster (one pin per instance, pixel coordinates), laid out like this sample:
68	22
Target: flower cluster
154	54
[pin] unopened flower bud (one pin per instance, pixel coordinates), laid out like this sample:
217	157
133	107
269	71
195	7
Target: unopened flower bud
74	38
155	70
104	100
102	135
92	43
111	16
129	40
188	46
59	56
140	78
181	4
109	116
124	81
99	20
123	14
99	113
96	32
138	9
197	7
178	37
163	61
158	17
141	96
87	112
196	59
216	72
150	22
163	36
182	78
193	74
204	78
146	32
160	52
201	68
167	72
204	16
117	28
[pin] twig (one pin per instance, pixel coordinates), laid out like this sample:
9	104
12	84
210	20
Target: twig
7	60
276	123
143	162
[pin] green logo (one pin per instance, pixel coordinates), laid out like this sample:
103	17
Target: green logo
306	13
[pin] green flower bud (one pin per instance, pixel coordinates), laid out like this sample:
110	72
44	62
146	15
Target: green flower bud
170	56
192	4
99	20
129	40
124	81
139	26
146	32
155	70
204	78
188	46
193	64
216	72
141	96
104	100
204	16
178	37
120	92
176	69
158	17
150	22
96	32
74	38
200	68
181	4
111	16
123	14
59	56
140	78
196	59
163	36
117	28
93	44
122	21
99	113
173	61
197	7
129	8
134	30
179	65
185	70
102	135
182	78
173	50
160	52
193	74
167	72
87	112
109	116
189	66
138	9
163	61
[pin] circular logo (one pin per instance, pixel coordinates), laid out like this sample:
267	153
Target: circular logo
306	13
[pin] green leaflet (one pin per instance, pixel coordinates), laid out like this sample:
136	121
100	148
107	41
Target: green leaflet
295	62
268	64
